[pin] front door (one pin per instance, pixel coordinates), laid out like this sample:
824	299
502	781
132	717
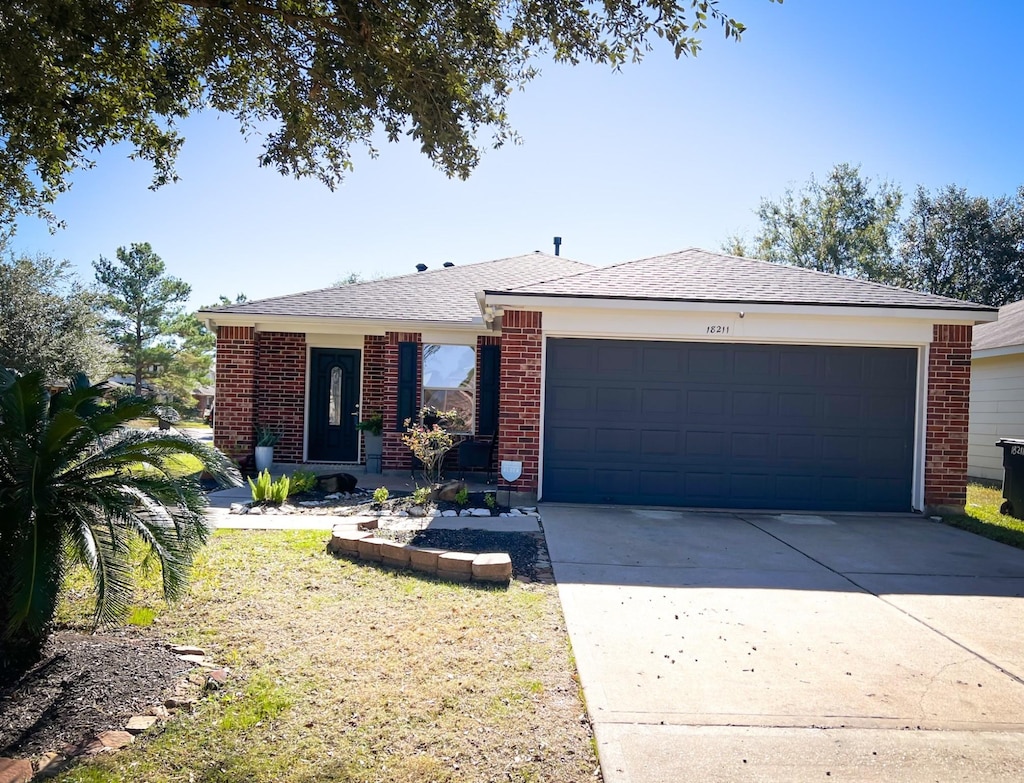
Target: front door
333	405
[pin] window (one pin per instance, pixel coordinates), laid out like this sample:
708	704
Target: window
449	380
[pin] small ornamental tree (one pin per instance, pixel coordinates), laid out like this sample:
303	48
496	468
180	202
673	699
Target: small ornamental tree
430	445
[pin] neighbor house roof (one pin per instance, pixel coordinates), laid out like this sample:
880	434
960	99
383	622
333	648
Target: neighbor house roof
1006	333
695	275
446	294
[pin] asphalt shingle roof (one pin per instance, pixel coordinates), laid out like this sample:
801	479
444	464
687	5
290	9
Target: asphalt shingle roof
695	275
1007	331
445	294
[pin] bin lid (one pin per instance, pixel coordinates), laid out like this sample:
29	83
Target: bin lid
1010	442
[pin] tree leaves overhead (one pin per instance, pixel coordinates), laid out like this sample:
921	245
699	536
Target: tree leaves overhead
323	75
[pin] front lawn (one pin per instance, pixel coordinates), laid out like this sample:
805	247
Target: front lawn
981	515
342	671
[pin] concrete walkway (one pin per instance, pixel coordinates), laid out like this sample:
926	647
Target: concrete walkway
746	647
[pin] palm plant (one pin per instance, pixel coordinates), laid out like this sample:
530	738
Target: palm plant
80	486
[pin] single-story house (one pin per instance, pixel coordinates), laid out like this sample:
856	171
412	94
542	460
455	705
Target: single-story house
692	379
997	390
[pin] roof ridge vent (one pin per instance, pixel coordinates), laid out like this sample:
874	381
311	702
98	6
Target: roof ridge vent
421	267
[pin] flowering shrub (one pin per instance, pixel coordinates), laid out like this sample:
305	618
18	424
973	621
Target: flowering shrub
431	444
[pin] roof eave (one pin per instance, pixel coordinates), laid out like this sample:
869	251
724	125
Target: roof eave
997	351
968	314
328	324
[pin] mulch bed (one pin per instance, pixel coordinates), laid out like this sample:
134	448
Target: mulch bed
84	684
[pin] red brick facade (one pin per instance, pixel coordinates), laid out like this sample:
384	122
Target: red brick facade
949	389
236	391
281	390
519	395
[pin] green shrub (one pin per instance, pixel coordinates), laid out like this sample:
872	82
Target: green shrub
421	496
266	490
380	495
491	501
301	481
462	496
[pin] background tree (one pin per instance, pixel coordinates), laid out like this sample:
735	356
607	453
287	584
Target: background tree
48	321
842	225
144	307
78	486
323	75
963	246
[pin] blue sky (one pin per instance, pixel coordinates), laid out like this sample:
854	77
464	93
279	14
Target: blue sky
664	155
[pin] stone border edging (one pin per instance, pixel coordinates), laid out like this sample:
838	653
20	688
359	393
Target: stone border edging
492	567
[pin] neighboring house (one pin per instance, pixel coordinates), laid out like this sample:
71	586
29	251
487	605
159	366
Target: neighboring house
997	390
692	379
204	397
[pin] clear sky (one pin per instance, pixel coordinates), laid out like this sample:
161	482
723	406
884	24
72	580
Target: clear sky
664	155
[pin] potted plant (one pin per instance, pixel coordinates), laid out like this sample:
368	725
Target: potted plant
266	439
372	428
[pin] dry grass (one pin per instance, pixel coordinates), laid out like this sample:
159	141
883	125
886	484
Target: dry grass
346	672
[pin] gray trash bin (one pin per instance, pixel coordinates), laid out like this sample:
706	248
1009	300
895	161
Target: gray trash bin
1013	477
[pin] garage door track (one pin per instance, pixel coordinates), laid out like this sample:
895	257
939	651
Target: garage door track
762	647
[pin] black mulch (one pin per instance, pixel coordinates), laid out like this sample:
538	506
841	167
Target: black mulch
84	684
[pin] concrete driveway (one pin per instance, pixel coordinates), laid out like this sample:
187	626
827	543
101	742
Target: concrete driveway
750	647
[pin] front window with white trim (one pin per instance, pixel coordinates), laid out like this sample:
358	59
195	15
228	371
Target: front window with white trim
449	380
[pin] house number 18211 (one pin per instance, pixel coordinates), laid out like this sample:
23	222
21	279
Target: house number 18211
714	329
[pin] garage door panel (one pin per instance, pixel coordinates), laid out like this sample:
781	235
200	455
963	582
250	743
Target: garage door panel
617	358
657	361
660	402
746	426
703	402
570	442
611	400
751	403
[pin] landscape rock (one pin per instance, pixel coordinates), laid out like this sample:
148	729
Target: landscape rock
140	723
237	508
180	703
492	567
480	512
417	511
184	649
217	679
337	482
447	491
449	513
107	741
258	510
15	770
48	759
465	513
198	660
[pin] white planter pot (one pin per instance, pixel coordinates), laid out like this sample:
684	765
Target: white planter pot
264	457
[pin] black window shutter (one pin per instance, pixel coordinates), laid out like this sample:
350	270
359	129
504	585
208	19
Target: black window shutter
408	380
490	364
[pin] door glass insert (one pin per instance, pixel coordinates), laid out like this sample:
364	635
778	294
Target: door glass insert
334	398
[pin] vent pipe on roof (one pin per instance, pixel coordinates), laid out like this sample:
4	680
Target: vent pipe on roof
558	244
421	267
448	264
